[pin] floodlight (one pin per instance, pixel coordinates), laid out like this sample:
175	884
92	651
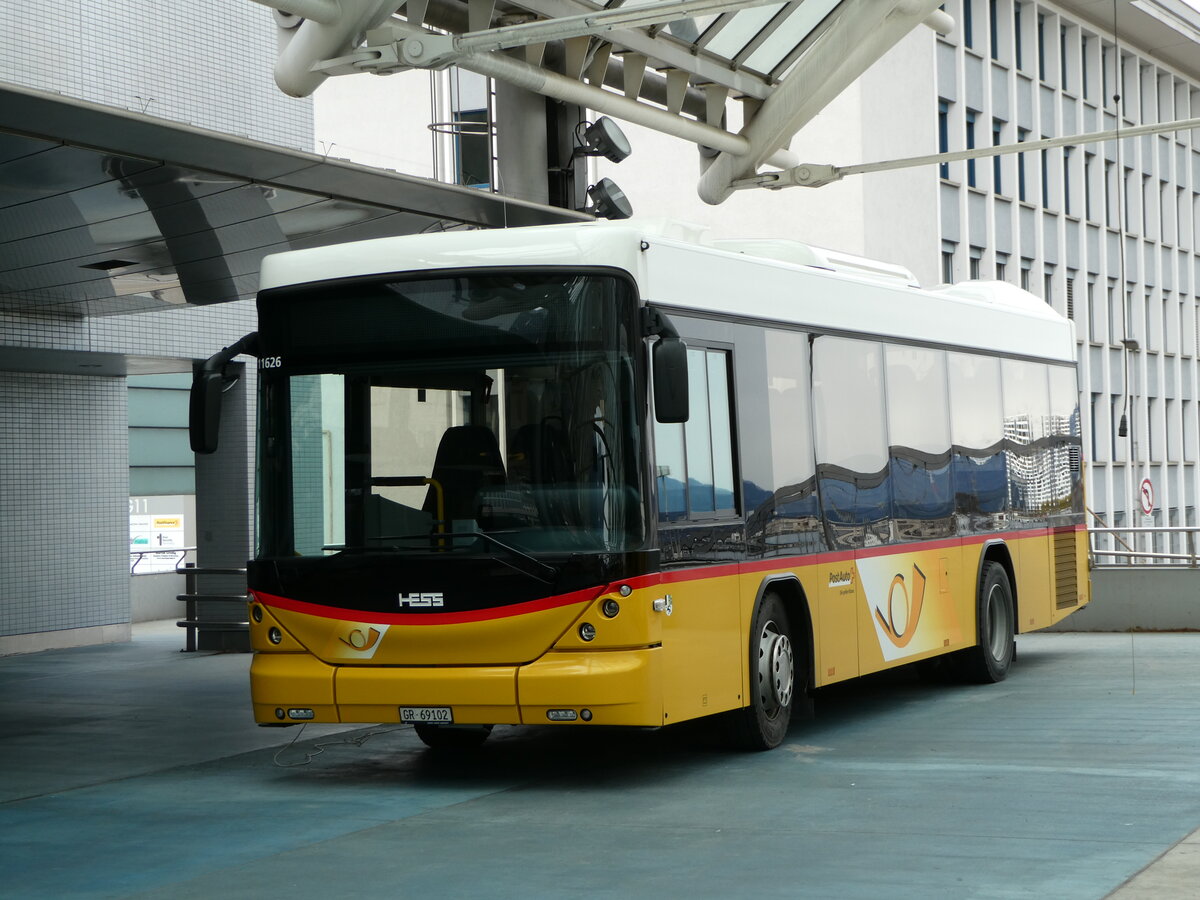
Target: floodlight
608	201
604	138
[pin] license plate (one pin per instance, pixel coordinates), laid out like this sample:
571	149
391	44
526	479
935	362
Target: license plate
440	715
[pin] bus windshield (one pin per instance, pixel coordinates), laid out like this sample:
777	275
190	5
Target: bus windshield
480	414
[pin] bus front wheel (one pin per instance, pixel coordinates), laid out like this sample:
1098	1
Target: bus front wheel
989	660
763	723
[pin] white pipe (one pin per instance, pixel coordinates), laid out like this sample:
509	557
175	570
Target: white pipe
326	12
864	32
315	41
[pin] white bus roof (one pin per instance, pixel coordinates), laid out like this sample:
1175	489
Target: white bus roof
762	281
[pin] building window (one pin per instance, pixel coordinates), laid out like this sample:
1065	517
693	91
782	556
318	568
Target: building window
1071	298
971	146
997	132
1110	194
1128	185
1066	180
470	101
1062	57
1116	327
1048	286
976	257
1001	267
1022	134
968	23
944	136
947	263
1093	331
1089	160
1044	161
1018	49
1041	46
993	29
1026	269
1104	76
1085	63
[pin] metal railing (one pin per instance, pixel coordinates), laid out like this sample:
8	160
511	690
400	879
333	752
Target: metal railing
1166	545
211	612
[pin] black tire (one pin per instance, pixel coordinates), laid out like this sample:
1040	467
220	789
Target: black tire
452	737
989	660
774	679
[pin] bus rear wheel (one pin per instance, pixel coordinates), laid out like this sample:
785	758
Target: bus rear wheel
763	724
452	737
989	660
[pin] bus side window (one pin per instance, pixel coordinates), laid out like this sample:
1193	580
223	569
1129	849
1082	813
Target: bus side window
695	460
977	436
851	441
918	417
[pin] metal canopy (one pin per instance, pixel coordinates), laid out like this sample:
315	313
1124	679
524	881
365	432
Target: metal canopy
103	211
671	65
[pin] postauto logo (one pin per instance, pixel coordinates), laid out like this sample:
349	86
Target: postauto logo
908	615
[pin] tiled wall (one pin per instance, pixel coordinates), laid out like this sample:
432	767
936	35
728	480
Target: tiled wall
64	512
178	61
64	482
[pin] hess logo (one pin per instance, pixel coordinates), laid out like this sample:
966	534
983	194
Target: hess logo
422	600
903	609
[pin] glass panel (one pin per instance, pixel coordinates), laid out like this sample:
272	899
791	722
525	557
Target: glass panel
318	462
722	438
976	422
848	404
1026	401
729	41
979	467
698	436
789	520
919	434
499	406
1026	417
1064	403
1066	454
849	424
671	471
917	399
788	34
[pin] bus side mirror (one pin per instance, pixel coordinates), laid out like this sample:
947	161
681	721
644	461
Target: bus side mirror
204	411
208	383
670	381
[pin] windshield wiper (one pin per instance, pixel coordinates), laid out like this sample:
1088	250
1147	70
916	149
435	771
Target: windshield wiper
521	561
528	565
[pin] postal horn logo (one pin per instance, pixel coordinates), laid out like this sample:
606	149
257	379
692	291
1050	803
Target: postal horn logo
903	609
357	639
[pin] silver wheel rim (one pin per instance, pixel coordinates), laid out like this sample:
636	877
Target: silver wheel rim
999	626
776	677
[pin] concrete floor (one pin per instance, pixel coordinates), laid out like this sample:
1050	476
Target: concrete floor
133	770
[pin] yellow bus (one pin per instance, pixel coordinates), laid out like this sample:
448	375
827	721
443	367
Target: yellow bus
611	474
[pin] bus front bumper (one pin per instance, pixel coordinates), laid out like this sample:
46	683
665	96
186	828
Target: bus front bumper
611	687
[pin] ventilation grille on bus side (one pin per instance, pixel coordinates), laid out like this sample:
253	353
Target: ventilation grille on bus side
1066	579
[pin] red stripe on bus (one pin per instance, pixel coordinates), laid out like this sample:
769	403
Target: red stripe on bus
449	618
699	573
